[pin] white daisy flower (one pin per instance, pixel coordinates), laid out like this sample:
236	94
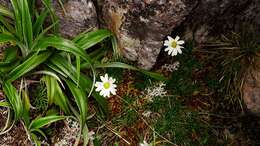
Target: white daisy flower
106	86
144	143
173	46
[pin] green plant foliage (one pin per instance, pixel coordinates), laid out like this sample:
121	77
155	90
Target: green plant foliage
14	99
182	81
40	53
40	98
179	122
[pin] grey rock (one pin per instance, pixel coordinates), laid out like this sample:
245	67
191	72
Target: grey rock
223	16
251	89
79	16
141	26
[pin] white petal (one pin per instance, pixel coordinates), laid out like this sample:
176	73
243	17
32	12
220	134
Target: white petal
111	80
174	52
177	38
170	51
98	84
181	42
170	38
107	93
179	50
113	86
166	44
113	92
99	89
167	49
102	93
103	79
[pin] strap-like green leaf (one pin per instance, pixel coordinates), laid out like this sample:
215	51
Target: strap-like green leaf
125	66
43	121
18	18
67	46
26	23
14	99
55	94
28	65
59	64
6	38
37	26
81	100
10	54
92	38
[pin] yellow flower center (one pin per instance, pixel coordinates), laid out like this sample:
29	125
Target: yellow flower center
106	85
174	44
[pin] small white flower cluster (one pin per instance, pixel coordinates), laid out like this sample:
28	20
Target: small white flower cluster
156	90
91	135
171	67
91	138
69	132
8	138
147	114
72	124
